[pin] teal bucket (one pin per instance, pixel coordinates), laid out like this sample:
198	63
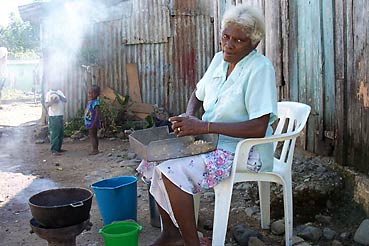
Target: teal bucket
121	233
116	198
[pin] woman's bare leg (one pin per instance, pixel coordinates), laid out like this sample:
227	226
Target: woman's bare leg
170	235
184	212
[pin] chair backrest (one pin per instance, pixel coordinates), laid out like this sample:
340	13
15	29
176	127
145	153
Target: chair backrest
292	120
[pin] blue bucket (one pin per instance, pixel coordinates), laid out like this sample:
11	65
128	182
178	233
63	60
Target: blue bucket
116	198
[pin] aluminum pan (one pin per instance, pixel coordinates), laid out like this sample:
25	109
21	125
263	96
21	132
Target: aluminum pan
157	144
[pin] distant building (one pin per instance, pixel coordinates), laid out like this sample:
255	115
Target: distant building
24	75
3	67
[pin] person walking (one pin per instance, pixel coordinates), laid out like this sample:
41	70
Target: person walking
55	101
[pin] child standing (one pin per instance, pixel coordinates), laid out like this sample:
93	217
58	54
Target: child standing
54	101
92	117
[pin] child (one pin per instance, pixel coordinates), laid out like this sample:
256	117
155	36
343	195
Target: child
54	102
92	117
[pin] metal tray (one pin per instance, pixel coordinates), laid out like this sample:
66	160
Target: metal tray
157	144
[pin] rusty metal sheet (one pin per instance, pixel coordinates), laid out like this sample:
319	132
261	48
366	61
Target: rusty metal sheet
149	22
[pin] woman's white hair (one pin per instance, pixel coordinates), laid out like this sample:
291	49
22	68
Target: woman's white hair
248	18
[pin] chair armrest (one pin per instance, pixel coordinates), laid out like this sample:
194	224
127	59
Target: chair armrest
244	146
270	139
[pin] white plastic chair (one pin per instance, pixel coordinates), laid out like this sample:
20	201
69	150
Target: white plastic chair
292	119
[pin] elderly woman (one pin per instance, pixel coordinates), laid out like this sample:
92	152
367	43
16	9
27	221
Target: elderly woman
238	95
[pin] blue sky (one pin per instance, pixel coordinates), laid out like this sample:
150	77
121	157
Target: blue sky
8	6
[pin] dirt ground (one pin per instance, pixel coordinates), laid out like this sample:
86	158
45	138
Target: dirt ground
27	168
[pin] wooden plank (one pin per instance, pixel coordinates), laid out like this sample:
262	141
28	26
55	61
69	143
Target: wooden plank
303	35
316	65
359	93
293	52
109	93
141	107
141	116
340	145
328	65
134	90
285	23
273	38
350	85
140	110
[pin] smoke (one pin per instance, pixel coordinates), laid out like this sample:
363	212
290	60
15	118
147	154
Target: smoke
65	28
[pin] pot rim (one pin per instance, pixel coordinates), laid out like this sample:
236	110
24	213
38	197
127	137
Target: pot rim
59	206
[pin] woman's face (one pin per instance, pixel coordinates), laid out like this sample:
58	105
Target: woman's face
235	44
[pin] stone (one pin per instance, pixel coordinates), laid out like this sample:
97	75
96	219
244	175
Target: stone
277	227
323	219
125	163
336	243
77	135
251	211
41	132
328	233
297	240
209	195
243	186
241	233
311	233
131	155
254	241
39	141
208	225
362	233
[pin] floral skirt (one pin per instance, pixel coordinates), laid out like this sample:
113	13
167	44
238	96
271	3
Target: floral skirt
192	174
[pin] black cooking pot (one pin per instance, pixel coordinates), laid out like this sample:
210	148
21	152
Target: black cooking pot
63	207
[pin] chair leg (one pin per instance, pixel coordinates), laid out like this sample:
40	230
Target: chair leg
264	197
223	196
288	213
196	204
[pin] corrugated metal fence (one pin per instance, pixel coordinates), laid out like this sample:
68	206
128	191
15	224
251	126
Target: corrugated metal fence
351	82
318	48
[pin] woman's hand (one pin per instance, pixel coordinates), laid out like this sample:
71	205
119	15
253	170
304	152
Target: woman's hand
188	125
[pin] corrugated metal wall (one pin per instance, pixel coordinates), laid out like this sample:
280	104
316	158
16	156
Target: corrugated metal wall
319	49
172	45
299	42
65	73
170	41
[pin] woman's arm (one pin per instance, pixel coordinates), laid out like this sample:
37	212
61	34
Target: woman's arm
193	104
48	104
190	125
254	128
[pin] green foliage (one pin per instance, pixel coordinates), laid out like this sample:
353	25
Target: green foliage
113	118
149	122
113	113
20	38
122	101
109	113
76	124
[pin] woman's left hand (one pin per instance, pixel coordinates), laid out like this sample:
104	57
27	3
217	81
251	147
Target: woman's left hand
188	125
